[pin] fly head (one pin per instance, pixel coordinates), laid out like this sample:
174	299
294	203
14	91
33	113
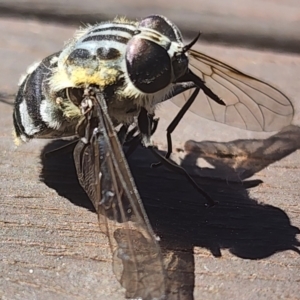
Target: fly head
155	55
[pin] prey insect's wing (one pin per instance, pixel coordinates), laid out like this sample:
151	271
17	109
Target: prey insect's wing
104	174
250	103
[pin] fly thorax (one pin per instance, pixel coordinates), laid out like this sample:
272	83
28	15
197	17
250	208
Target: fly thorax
88	63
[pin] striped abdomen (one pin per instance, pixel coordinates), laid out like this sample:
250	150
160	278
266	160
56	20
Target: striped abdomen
40	113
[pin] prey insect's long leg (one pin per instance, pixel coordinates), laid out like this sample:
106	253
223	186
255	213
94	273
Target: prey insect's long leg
173	166
145	124
62	150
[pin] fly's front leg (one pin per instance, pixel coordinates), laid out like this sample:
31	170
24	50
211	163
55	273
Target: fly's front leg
147	125
188	81
175	122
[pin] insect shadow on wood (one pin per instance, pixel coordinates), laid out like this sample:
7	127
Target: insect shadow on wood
249	229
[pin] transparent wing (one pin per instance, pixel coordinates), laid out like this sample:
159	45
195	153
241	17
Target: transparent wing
104	174
250	103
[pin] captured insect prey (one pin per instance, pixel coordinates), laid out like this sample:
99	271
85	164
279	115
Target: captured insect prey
110	78
100	162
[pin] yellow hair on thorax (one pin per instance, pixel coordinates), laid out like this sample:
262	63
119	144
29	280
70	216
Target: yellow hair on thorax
80	76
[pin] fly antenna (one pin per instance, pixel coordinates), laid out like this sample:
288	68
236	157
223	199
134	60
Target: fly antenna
191	44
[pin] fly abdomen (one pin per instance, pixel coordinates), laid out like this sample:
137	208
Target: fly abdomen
40	113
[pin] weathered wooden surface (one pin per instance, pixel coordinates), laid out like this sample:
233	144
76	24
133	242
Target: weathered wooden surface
244	248
257	23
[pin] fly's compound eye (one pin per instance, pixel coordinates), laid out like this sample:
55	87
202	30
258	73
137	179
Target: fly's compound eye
163	26
148	65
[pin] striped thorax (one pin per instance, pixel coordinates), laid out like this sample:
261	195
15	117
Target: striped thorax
134	64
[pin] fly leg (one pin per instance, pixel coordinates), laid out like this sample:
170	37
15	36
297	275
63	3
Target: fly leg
146	127
175	122
188	81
